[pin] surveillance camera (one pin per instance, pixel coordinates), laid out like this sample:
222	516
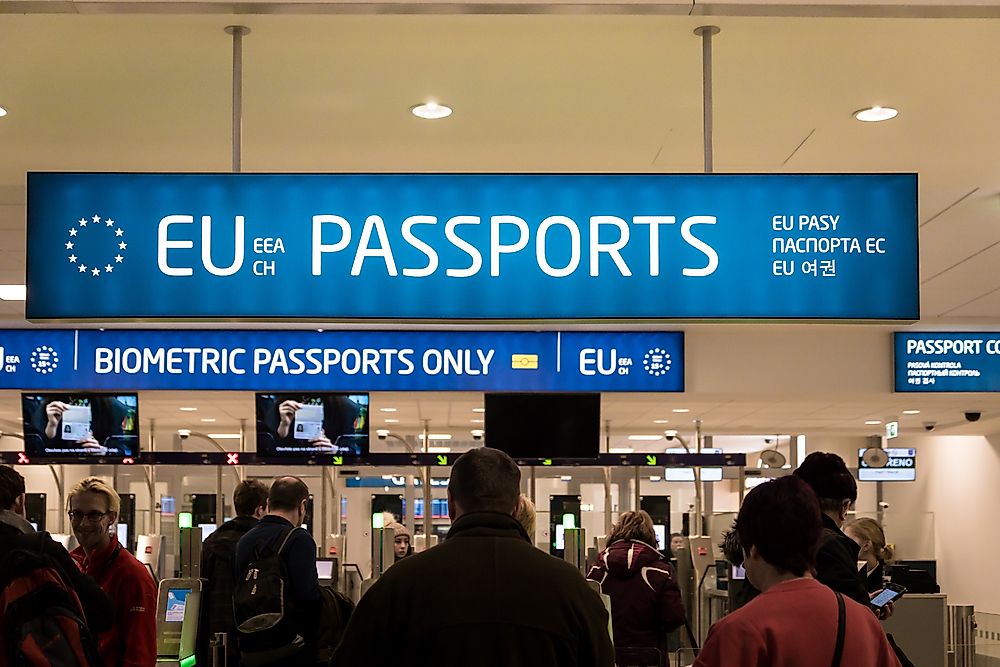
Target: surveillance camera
382	434
477	435
884	505
929	426
670	435
183	433
768	441
973	416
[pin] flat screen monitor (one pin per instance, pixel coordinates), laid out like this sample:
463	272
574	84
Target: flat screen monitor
661	536
544	426
901	466
80	425
122	530
176	604
206	530
291	425
687	474
324	569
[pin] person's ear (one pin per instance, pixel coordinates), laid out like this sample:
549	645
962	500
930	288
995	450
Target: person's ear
845	507
18	507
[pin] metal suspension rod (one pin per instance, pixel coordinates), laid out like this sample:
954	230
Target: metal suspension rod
238	32
706	32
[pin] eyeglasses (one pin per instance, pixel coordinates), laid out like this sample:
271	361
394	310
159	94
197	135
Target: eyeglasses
92	517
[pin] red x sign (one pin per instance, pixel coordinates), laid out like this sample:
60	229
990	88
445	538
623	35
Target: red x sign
233	458
23	458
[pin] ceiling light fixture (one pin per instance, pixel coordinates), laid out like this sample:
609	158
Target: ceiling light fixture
661	421
911	412
13	292
387	410
3	112
436	436
391	421
208	421
188	409
875	114
224	436
621	450
681	410
479	409
431	111
476	421
645	437
872	422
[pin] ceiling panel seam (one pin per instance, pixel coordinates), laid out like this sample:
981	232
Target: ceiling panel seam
950	206
960	262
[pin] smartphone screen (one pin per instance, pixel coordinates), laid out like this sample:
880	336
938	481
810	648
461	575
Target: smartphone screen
886	596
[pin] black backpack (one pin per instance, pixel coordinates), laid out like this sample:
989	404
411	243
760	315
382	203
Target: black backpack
264	611
43	624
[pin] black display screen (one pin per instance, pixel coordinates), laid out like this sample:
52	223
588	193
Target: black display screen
80	425
554	426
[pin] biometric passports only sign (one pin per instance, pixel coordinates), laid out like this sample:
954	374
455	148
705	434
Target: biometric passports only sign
265	360
471	247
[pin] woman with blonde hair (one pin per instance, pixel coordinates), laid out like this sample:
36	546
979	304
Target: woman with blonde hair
645	599
874	551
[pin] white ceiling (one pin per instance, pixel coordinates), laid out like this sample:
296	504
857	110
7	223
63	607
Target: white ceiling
553	92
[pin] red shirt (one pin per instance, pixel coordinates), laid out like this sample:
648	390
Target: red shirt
794	624
131	642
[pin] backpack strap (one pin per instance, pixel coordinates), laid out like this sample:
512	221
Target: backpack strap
838	651
281	547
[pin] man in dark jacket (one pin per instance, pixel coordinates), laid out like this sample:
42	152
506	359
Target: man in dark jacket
837	558
217	555
286	509
17	533
486	596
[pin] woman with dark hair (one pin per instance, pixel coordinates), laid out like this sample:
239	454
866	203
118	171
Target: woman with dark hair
645	599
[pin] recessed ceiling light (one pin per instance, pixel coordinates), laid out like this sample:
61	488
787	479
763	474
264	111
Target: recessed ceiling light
872	422
479	409
645	437
476	421
477	432
431	111
224	436
13	292
3	112
566	478
387	410
439	450
436	436
911	412
208	421
654	479
681	410
621	450
189	409
391	421
875	114
661	421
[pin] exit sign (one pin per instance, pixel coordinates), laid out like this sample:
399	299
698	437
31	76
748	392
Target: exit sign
891	430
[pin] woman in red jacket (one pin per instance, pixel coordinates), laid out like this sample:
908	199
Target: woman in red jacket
645	599
131	642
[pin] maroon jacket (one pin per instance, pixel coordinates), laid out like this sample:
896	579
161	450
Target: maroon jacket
645	600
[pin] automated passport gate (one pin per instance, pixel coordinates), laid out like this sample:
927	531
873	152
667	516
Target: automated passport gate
177	607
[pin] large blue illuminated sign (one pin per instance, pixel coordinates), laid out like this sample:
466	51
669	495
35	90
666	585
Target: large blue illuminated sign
472	246
266	360
947	362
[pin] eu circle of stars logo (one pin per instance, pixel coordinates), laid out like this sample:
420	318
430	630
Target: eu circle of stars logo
44	359
656	362
96	245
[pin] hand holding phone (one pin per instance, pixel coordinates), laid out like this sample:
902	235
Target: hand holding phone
890	593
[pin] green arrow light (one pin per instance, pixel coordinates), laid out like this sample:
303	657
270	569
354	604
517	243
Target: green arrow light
338	460
546	462
442	460
650	460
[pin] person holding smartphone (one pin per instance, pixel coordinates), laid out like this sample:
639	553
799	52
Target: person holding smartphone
873	551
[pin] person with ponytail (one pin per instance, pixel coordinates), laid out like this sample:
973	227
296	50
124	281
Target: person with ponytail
874	551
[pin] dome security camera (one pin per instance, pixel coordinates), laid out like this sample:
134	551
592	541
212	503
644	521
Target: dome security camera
929	426
884	505
382	434
973	416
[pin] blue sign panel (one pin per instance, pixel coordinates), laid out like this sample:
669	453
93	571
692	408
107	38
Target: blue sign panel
947	362
266	360
472	246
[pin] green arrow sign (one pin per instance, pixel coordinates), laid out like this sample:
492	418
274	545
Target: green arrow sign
338	460
650	460
546	462
442	460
